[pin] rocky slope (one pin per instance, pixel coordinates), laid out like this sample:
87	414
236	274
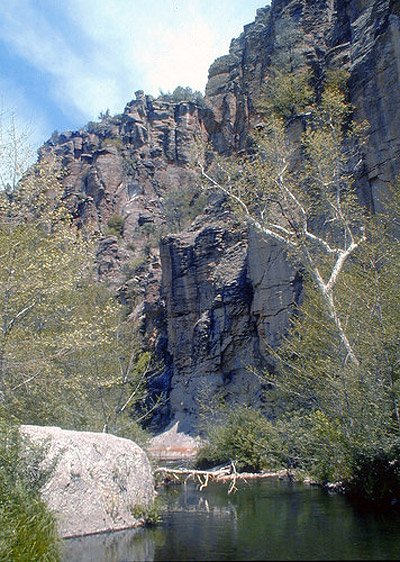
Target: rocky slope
212	295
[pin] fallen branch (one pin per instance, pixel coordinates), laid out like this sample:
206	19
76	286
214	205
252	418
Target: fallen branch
221	474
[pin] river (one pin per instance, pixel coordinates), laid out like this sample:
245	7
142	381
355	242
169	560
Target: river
263	520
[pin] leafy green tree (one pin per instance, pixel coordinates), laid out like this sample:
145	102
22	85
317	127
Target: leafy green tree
287	90
306	202
242	436
103	369
115	225
181	206
182	93
68	354
350	411
336	375
15	152
41	262
286	94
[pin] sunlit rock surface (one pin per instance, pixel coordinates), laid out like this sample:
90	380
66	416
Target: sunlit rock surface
97	481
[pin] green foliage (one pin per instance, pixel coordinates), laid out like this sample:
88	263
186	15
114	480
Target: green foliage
134	266
243	436
15	152
351	409
152	235
93	127
113	141
104	115
43	261
182	205
183	94
67	352
101	373
286	94
376	475
288	90
28	531
55	136
337	372
68	355
115	225
151	513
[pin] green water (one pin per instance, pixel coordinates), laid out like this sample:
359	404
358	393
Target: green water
266	520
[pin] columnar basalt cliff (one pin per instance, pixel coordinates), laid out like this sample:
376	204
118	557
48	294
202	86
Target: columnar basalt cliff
213	295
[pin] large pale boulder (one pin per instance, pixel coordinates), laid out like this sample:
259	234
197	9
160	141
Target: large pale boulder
97	482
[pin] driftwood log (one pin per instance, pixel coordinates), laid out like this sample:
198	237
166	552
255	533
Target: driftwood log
226	473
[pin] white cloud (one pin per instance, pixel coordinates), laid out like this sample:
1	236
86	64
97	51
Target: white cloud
179	57
152	44
42	45
96	53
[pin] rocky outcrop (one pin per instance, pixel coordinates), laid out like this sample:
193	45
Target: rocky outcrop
218	325
228	295
373	35
361	37
210	332
214	296
97	481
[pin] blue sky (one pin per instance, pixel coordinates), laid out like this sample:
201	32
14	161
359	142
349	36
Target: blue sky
62	62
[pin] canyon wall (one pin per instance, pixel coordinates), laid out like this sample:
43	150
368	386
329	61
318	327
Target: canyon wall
212	296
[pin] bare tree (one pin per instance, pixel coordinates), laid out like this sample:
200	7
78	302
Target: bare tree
301	194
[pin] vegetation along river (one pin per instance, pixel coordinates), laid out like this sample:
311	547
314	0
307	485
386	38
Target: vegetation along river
263	520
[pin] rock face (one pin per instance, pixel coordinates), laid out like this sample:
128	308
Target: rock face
210	332
373	34
212	295
226	294
362	37
97	482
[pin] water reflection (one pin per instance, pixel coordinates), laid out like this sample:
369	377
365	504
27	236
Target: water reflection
132	544
269	520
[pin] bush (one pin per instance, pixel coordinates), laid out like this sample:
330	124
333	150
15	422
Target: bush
28	530
113	141
182	205
183	94
115	225
246	438
376	476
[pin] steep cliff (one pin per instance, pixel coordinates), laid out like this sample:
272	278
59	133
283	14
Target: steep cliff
213	295
361	36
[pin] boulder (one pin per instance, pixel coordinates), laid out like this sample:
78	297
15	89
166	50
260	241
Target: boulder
97	482
173	445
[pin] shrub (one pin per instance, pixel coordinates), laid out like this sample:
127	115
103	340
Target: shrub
245	437
376	476
114	141
151	514
28	530
115	225
183	94
182	205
